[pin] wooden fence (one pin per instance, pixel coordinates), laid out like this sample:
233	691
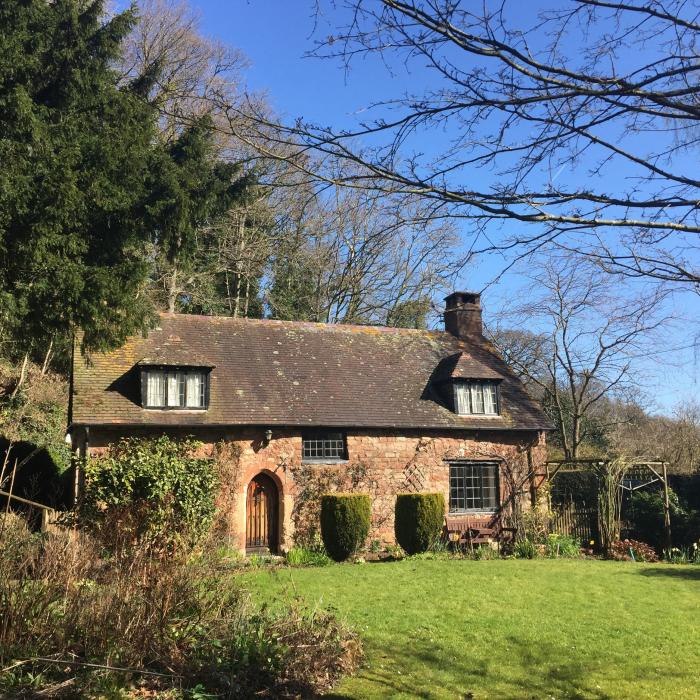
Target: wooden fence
577	521
48	516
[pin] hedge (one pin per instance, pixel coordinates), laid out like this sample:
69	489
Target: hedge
418	520
345	520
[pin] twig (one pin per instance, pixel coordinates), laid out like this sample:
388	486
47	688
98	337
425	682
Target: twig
15	665
105	667
9	497
47	359
51	689
22	375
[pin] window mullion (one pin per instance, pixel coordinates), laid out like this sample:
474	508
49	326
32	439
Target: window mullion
482	499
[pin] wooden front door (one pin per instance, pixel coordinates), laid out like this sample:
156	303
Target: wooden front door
261	514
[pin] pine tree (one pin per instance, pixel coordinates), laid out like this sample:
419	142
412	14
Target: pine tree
190	190
77	149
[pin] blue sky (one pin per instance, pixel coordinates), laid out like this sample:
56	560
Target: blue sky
275	35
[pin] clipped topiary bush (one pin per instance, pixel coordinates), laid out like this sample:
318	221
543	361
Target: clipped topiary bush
345	520
418	520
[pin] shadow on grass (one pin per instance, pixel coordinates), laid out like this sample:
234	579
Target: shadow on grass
685	571
541	671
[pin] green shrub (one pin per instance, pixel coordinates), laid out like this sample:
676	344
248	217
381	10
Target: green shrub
525	549
646	516
485	552
345	521
298	556
418	520
562	546
148	491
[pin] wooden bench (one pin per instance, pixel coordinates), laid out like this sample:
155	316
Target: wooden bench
465	531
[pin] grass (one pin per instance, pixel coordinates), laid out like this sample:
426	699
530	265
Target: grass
549	629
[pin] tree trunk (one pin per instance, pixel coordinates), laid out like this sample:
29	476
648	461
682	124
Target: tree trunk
172	290
247	297
47	358
22	376
575	436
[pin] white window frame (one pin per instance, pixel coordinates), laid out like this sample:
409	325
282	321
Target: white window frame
474	397
178	380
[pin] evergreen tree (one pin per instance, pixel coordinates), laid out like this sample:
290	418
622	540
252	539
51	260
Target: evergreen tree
294	291
190	190
76	150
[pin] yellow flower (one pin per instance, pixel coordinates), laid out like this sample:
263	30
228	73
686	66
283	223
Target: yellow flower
592	542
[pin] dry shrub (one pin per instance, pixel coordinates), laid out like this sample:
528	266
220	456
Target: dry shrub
624	550
175	614
227	458
318	647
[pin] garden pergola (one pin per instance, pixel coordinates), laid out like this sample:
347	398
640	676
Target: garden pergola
639	474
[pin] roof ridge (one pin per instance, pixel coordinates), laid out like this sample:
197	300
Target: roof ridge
316	324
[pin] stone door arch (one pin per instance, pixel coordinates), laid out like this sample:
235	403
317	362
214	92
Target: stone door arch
262	514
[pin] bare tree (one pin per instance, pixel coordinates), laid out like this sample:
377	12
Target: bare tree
674	439
180	67
576	120
589	333
362	258
231	256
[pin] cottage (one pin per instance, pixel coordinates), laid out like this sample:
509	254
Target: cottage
294	408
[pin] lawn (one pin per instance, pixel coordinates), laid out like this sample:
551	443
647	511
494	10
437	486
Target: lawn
511	629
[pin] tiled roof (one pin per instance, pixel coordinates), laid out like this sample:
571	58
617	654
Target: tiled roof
300	374
466	365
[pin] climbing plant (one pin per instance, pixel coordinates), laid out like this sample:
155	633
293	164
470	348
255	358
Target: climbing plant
155	492
610	474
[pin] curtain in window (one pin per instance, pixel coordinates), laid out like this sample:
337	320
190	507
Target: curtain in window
174	389
155	389
490	399
195	390
462	398
477	398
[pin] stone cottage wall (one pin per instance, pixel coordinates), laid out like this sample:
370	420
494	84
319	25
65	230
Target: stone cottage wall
379	463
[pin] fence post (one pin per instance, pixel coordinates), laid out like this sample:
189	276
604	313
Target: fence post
667	512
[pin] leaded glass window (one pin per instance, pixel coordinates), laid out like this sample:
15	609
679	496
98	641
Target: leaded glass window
473	486
323	446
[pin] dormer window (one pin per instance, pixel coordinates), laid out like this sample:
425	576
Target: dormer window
173	388
476	398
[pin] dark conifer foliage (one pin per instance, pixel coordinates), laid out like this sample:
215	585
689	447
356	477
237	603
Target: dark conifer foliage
76	152
188	192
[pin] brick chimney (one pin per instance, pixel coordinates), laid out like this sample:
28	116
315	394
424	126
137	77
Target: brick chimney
463	314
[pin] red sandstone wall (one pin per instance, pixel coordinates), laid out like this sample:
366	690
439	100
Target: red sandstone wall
379	463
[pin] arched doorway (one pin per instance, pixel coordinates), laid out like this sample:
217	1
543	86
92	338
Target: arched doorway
262	508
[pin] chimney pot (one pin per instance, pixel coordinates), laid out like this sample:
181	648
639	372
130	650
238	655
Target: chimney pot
463	315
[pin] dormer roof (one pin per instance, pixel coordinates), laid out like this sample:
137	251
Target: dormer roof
467	365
